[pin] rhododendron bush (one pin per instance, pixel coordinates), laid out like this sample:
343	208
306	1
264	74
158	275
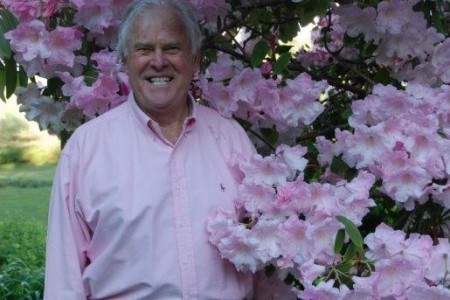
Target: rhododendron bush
348	196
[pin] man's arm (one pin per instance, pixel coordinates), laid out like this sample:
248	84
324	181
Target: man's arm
66	239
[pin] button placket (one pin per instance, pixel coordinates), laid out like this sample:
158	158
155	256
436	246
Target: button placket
183	221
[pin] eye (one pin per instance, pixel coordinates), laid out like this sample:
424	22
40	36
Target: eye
143	49
172	49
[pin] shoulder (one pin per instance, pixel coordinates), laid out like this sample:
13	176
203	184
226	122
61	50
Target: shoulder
213	119
98	128
227	132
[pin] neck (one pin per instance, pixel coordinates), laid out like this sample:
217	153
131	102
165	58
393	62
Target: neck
171	123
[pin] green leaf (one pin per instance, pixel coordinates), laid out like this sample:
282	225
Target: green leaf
352	231
7	22
350	252
271	135
259	53
2	83
11	76
288	31
54	86
383	76
308	10
350	41
345	267
338	166
282	63
22	78
283	48
339	242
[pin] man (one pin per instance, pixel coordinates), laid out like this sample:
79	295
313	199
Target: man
134	187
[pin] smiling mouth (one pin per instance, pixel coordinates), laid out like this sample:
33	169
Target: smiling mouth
159	80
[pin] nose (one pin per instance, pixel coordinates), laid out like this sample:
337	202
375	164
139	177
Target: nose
158	61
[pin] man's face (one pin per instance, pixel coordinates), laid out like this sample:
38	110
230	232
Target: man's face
160	63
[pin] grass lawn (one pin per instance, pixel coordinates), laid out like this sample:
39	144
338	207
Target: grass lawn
24	204
24	200
25	192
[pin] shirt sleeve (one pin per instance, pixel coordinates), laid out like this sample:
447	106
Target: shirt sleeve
67	237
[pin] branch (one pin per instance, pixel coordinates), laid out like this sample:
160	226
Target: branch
251	4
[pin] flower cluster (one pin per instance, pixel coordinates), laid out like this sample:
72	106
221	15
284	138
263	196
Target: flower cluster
291	224
265	102
405	268
402	137
402	39
284	220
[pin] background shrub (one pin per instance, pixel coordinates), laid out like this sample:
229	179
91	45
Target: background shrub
22	256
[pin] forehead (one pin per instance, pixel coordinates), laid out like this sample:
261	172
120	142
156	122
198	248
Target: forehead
159	23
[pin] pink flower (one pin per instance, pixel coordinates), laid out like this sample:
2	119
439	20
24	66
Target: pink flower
384	243
301	92
403	179
71	85
266	68
358	21
242	250
422	290
94	15
243	86
211	9
265	231
51	7
225	68
389	19
440	59
267	170
108	62
30	40
322	233
322	199
256	198
393	276
221	226
219	96
295	245
310	271
417	249
366	146
441	194
439	263
24	10
98	98
354	197
325	290
293	156
265	103
26	94
46	112
63	41
326	151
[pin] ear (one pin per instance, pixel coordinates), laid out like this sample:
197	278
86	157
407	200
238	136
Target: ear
124	64
196	62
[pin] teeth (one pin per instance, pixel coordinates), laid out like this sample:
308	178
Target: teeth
159	80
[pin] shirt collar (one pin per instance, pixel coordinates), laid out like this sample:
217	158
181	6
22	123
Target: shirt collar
148	122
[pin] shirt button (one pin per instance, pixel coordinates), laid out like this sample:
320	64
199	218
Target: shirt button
182	224
187	261
178	186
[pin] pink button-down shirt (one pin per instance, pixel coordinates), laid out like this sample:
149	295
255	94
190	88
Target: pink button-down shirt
128	211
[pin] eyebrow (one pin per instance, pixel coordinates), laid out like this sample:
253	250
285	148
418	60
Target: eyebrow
140	44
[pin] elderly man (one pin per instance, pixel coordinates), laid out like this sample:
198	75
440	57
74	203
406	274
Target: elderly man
134	187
